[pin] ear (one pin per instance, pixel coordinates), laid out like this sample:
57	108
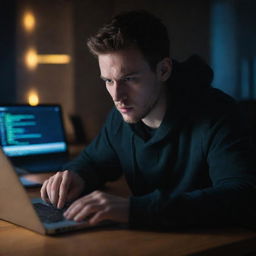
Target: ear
164	69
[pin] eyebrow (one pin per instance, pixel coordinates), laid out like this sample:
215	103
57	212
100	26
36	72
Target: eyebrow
103	78
125	75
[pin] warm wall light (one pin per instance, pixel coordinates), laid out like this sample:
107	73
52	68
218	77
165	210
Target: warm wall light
29	21
53	58
31	58
33	98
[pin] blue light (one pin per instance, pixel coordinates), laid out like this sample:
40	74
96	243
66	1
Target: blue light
224	53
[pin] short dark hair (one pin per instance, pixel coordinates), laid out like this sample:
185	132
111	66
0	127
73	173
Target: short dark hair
138	29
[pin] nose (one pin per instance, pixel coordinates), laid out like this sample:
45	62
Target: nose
118	92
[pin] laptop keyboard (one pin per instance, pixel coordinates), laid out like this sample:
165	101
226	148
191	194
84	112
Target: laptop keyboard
49	213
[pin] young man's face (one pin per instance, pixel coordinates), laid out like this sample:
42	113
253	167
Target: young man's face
135	89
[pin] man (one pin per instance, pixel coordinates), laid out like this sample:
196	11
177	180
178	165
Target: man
179	142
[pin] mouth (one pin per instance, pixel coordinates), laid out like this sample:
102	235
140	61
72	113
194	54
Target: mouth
125	110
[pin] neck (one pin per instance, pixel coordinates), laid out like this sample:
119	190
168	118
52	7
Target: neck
156	115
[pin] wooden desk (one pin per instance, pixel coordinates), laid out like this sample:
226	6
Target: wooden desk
15	240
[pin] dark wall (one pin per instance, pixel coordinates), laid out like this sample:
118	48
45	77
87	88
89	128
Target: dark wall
7	52
91	101
187	23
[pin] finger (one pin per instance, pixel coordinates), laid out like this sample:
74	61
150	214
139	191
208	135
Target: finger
72	211
43	192
64	187
80	202
98	217
87	212
55	186
95	198
48	188
76	207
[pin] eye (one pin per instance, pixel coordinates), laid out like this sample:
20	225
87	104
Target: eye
108	81
128	79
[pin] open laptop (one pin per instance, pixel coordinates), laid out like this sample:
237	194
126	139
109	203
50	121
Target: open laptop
33	137
35	214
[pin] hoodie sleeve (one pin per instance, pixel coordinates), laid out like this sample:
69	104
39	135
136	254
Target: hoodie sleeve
231	199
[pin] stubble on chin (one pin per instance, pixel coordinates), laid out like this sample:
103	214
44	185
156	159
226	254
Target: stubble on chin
129	120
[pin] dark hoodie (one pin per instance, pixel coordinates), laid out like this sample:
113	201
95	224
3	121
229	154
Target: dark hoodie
196	169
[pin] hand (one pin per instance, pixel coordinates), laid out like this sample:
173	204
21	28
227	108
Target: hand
62	187
99	206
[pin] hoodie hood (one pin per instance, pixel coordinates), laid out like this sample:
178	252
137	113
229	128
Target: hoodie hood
192	74
189	80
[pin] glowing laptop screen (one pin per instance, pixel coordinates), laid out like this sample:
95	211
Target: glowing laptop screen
27	130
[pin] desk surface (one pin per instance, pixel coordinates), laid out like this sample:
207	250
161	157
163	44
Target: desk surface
15	240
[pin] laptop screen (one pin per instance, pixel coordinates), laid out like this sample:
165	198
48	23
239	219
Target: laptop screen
28	130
